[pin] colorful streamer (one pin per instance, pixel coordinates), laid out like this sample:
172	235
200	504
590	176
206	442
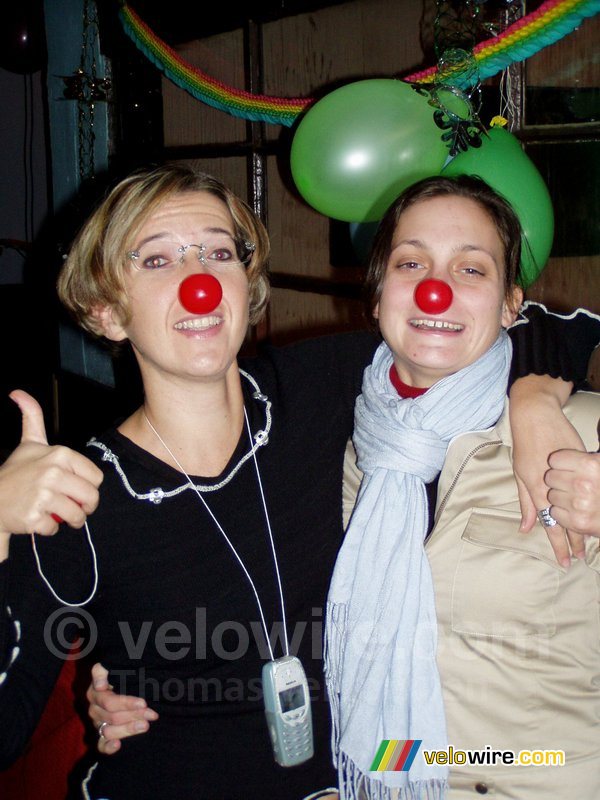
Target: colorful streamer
256	107
553	20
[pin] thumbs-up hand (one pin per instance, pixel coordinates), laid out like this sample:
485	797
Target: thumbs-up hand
40	483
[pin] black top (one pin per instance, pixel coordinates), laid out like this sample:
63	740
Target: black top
174	617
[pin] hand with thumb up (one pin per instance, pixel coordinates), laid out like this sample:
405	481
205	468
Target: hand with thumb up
41	485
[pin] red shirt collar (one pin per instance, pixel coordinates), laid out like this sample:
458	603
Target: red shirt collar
403	389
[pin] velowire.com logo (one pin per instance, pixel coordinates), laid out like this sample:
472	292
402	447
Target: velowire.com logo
395	755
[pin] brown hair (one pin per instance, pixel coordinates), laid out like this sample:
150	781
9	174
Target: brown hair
468	186
93	274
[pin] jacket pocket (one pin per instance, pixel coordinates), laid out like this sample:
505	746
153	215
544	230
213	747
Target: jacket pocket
506	582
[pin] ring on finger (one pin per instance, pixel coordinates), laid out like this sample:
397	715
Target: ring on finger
546	518
101	729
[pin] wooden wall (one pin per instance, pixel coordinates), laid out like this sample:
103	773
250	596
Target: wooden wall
308	55
569	282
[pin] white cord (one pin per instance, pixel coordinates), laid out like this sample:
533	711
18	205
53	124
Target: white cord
507	105
227	539
47	582
264	502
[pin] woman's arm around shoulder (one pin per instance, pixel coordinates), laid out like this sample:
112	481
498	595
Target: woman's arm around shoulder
552	343
550	359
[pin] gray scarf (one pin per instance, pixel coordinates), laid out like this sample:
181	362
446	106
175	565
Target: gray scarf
381	632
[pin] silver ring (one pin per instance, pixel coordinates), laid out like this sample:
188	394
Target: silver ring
101	729
546	518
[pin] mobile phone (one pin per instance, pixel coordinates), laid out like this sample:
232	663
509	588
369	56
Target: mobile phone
287	708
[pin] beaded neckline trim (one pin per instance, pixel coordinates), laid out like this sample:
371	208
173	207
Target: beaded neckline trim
157	495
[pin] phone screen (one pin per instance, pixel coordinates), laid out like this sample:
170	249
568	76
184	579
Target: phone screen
291	699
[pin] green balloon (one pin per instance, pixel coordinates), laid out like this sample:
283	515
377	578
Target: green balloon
503	164
358	147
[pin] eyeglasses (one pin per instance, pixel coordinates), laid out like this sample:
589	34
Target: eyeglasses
160	255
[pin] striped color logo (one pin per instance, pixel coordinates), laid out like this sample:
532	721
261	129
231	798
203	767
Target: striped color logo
395	755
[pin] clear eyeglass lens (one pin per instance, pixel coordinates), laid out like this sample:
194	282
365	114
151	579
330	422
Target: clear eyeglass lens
161	255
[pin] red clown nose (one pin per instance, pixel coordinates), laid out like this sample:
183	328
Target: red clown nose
200	293
433	297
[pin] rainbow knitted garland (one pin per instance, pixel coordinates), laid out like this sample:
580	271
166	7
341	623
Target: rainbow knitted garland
553	20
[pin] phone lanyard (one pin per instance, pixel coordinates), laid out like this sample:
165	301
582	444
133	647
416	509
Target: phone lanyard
230	543
293	744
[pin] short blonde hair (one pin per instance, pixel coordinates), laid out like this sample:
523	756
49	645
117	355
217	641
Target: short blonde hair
94	271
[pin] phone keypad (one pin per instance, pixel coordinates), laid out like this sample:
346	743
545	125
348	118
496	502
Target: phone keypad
297	738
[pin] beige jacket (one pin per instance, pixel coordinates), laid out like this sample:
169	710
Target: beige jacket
519	636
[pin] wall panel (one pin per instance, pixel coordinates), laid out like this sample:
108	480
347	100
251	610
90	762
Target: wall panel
296	315
188	121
